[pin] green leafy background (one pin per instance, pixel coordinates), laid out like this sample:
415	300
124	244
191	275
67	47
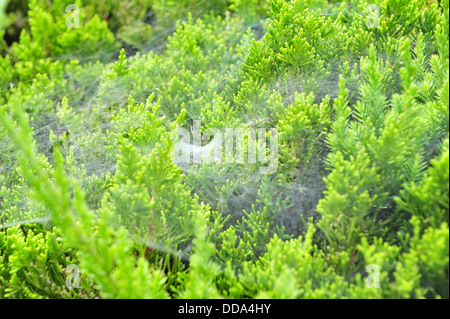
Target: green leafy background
87	175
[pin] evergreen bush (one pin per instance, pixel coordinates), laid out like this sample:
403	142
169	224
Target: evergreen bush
94	205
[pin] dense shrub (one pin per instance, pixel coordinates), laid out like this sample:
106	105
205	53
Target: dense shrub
87	170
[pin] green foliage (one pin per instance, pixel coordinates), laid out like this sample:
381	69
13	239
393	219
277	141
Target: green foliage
428	201
169	11
34	263
250	10
3	4
87	170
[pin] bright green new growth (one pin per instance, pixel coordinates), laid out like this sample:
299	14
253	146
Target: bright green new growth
87	175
